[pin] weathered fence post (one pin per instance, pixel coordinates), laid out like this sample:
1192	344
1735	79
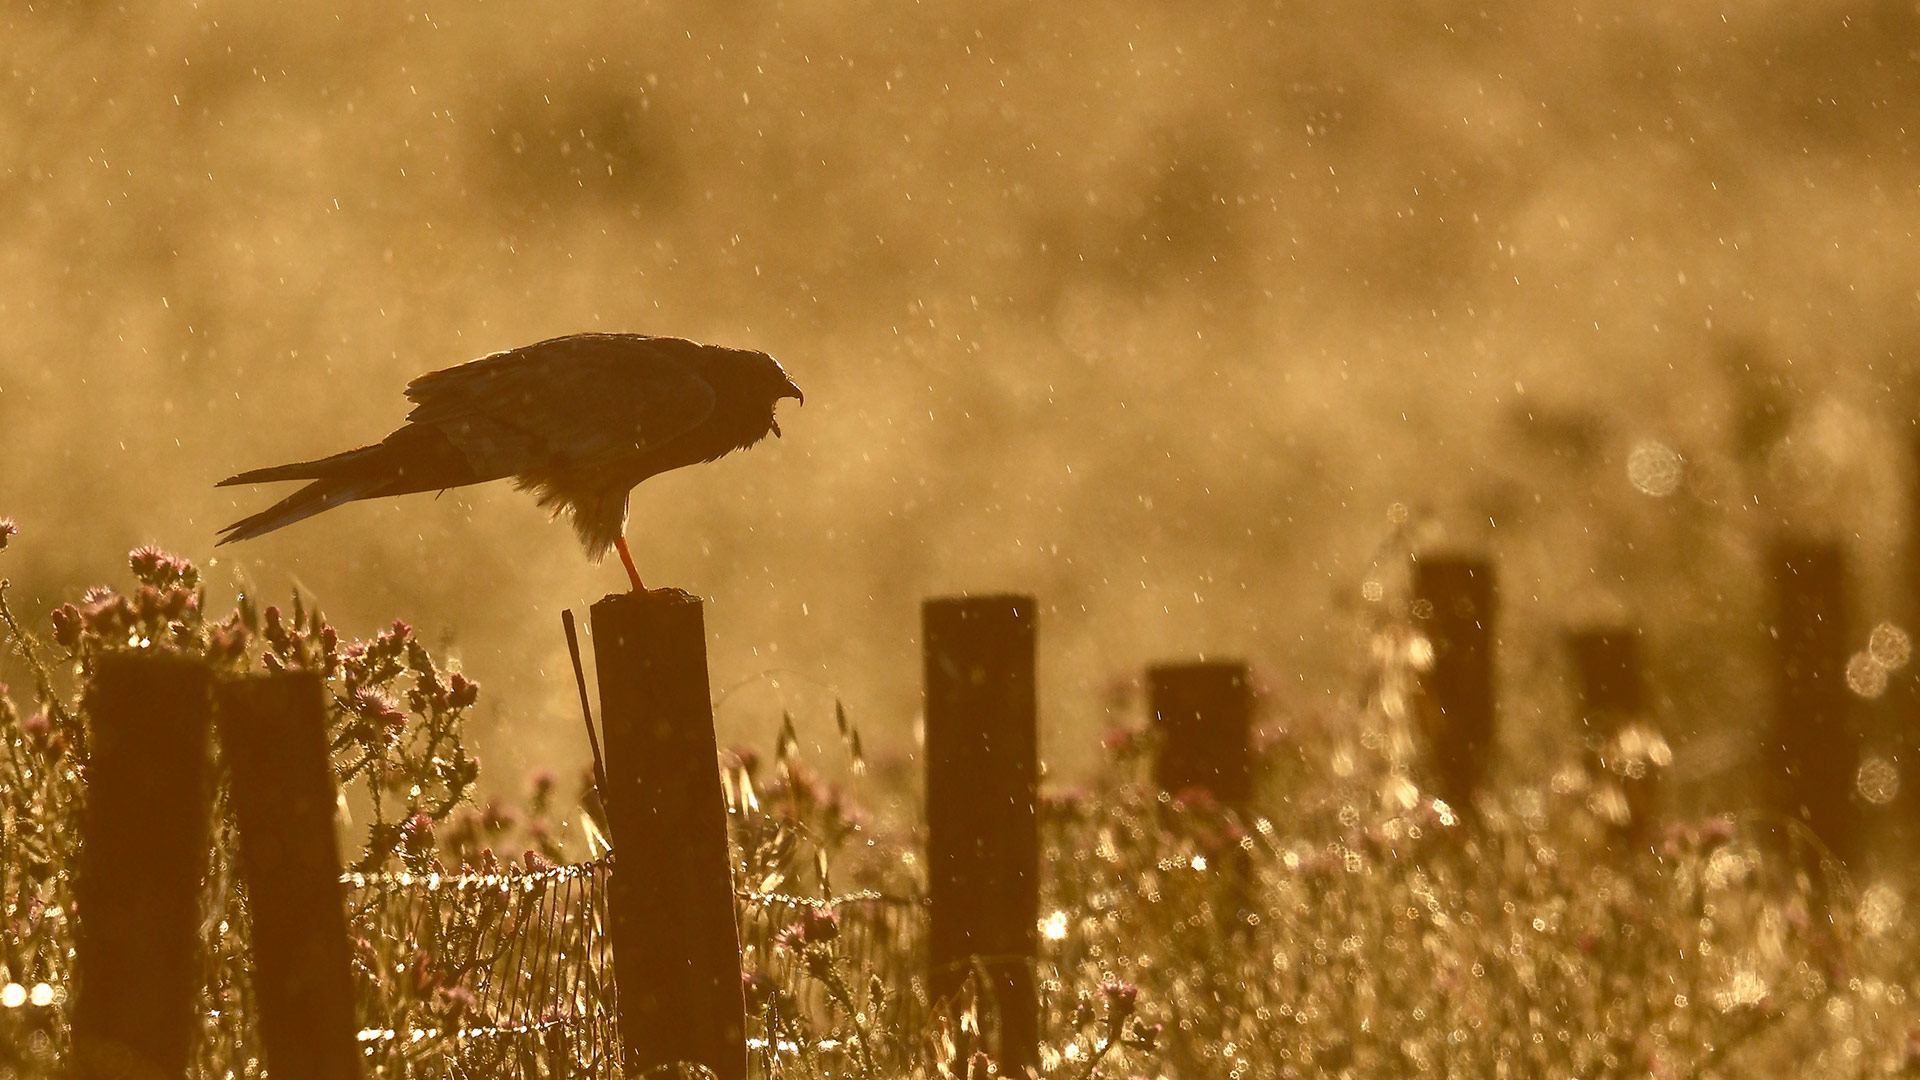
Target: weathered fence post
983	835
1454	600
1610	692
1204	713
1816	747
141	866
676	946
273	731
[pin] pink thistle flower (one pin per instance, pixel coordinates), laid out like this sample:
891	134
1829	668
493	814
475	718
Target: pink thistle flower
1121	997
460	1000
1198	799
536	863
757	986
416	834
8	530
67	626
177	603
462	691
817	926
1119	740
37	726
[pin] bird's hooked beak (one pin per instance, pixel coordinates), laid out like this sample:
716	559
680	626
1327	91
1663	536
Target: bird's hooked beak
788	390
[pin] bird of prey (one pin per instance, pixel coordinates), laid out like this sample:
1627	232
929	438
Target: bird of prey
577	420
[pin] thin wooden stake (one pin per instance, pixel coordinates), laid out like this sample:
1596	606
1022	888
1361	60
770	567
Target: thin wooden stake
586	706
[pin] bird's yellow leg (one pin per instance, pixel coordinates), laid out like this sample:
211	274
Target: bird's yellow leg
626	558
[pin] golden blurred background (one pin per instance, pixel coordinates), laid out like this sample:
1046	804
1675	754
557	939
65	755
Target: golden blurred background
1153	310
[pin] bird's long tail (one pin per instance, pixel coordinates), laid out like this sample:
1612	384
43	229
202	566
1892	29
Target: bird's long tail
411	459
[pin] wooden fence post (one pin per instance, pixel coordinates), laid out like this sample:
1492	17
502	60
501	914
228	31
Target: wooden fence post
676	944
1816	747
1610	692
1204	713
983	835
273	732
141	865
1454	600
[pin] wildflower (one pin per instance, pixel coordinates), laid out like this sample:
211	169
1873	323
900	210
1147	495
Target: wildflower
499	817
1121	997
8	530
425	973
1120	741
757	986
817	927
149	563
462	692
37	726
822	924
540	783
747	761
381	718
228	641
535	862
1199	800
416	834
460	1000
108	617
66	627
177	603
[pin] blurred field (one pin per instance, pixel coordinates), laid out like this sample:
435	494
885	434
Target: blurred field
1150	313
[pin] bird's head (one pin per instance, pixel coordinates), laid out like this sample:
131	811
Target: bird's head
751	381
780	385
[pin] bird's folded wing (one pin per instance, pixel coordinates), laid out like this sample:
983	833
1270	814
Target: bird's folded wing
578	403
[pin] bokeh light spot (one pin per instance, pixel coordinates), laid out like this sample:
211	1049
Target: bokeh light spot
1880	907
1889	646
1655	468
1866	676
1878	780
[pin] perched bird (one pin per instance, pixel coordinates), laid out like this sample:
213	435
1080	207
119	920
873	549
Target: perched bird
577	420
